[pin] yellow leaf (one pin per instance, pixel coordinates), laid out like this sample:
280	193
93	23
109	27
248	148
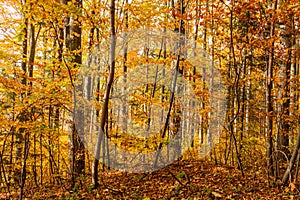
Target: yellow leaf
218	195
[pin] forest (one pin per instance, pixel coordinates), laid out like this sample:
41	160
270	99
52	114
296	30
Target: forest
140	99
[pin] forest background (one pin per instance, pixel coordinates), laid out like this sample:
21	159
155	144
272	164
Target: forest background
45	45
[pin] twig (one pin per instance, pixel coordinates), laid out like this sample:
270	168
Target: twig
176	178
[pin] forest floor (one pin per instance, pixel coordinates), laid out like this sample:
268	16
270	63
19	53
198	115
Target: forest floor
192	179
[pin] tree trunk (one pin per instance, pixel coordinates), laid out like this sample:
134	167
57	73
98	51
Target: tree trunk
284	126
19	134
177	70
76	136
106	95
25	114
287	173
269	101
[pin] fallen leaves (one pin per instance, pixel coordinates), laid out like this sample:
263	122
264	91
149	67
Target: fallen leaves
188	179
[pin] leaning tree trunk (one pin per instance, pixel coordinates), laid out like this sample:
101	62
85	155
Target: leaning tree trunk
106	95
181	31
287	173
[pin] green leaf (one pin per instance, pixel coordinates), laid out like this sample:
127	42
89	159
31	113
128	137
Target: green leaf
180	175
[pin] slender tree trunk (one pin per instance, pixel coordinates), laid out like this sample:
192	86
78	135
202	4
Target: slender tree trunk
19	134
284	126
106	95
177	70
269	101
24	167
25	116
289	38
289	169
76	135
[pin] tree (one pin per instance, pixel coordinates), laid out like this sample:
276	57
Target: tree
104	110
73	43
